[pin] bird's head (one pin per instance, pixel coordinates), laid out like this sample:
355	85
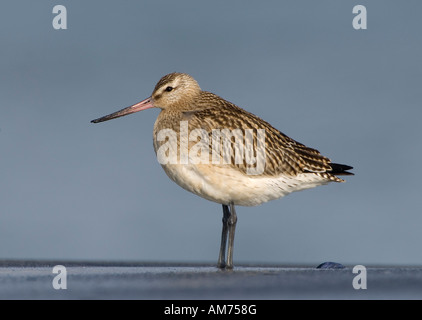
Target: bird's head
173	91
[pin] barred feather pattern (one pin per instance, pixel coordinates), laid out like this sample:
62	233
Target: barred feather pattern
283	155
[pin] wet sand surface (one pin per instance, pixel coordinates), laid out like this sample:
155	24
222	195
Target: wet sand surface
125	280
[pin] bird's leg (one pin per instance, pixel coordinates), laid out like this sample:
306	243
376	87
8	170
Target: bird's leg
232	227
222	256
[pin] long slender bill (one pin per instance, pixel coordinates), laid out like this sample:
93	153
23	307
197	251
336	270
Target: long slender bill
144	104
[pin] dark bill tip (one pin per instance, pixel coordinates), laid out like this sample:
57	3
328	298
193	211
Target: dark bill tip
144	104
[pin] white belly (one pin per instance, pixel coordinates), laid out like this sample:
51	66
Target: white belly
225	185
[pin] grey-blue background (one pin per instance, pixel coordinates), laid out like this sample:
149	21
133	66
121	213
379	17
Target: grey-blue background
73	190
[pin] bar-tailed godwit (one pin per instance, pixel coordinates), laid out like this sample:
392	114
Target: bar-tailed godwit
203	142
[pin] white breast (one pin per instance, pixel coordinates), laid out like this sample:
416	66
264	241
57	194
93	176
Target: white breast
223	184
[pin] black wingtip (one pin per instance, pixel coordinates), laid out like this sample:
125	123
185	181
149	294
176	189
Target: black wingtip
341	169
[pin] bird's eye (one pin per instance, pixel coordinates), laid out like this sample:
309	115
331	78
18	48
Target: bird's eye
168	89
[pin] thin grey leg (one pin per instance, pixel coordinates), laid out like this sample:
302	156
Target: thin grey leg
222	256
232	227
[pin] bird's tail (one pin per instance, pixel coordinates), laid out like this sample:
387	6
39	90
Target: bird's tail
340	169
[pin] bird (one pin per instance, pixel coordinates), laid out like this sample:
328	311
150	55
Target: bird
202	142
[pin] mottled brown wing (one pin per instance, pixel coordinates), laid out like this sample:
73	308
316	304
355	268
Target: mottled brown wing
283	154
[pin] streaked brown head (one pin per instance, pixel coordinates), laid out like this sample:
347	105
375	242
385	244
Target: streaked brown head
175	90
